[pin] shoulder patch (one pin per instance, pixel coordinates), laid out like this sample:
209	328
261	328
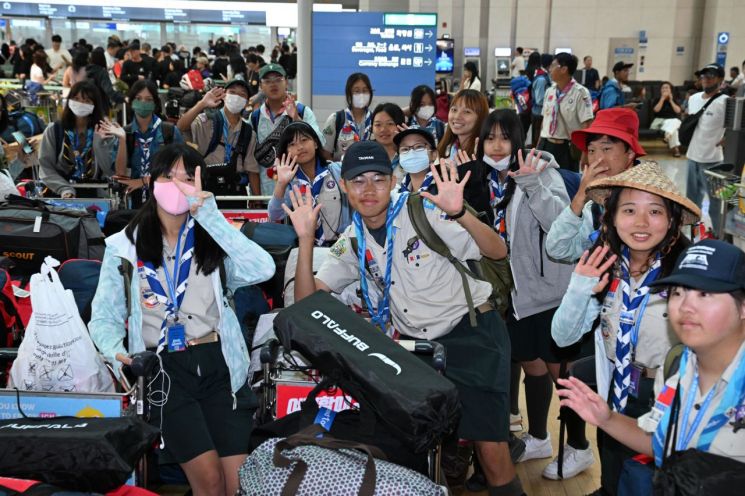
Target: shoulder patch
339	248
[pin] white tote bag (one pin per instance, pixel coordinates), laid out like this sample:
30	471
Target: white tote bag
57	353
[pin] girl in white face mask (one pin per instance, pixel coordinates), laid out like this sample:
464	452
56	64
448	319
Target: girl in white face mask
422	112
352	123
72	150
416	151
527	194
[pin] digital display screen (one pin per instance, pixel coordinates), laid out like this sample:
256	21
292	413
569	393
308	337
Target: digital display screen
472	52
445	61
396	57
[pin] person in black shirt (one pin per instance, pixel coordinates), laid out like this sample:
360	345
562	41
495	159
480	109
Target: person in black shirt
666	117
22	63
588	76
135	68
220	65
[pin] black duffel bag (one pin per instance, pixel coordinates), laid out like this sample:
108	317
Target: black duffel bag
30	230
416	403
78	454
277	240
358	425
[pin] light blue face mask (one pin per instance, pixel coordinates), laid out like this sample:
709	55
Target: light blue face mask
414	161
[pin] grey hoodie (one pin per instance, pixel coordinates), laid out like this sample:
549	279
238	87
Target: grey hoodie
540	282
54	169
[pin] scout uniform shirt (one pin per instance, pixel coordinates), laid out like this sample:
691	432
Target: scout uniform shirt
198	312
347	137
427	299
575	106
727	442
201	134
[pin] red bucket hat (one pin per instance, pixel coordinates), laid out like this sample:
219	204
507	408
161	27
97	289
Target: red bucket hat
621	123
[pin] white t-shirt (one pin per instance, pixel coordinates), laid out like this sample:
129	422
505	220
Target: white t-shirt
475	85
709	132
518	64
59	58
37	75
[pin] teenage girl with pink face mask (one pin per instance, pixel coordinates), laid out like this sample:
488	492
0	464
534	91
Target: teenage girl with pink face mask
181	247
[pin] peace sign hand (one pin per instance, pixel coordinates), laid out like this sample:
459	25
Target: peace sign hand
449	191
533	163
286	169
592	265
194	191
303	215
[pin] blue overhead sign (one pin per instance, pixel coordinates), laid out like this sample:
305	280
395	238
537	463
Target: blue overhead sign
397	51
75	11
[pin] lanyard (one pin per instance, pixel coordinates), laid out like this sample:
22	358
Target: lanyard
687	434
380	316
637	324
171	286
225	135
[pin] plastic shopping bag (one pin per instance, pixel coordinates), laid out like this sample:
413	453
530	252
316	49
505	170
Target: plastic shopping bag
57	353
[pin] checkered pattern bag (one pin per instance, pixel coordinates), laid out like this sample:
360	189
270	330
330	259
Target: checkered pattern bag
305	465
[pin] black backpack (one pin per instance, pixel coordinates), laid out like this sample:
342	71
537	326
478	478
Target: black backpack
244	138
166	128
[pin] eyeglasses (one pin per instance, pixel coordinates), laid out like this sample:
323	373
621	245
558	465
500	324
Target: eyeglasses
274	80
378	182
417	148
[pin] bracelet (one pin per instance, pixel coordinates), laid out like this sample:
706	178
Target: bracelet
459	214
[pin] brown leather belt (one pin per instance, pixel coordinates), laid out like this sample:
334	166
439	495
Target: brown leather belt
212	337
485	307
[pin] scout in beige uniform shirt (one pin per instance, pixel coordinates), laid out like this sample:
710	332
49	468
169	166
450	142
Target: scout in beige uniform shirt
201	134
575	106
426	296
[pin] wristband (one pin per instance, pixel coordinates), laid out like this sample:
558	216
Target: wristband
459	214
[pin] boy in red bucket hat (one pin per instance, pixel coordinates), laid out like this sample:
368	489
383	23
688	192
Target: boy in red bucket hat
611	144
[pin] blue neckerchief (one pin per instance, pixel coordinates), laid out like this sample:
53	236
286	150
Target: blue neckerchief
632	309
315	189
349	121
225	136
498	189
406	183
79	155
431	126
380	317
146	142
734	396
176	290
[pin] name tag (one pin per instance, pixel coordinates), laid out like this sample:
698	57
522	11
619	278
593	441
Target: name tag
176	337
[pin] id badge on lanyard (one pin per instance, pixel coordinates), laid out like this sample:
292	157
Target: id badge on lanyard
176	337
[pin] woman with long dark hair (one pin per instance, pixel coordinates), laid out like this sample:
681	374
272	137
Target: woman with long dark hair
422	112
470	80
185	258
638	243
72	149
96	71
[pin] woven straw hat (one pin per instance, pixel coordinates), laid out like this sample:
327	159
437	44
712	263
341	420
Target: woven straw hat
647	176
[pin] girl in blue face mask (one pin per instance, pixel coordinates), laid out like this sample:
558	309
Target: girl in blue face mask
416	151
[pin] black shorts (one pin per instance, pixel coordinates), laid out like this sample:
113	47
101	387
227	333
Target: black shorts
478	363
199	415
531	339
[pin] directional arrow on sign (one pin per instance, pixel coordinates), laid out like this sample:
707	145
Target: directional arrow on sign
428	62
429	34
429	48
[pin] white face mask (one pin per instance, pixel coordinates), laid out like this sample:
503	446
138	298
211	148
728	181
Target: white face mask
235	103
360	100
425	113
499	166
80	109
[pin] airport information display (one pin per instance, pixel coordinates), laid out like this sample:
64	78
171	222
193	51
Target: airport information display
112	12
397	51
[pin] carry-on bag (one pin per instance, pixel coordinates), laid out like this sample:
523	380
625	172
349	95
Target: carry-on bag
304	465
32	230
419	405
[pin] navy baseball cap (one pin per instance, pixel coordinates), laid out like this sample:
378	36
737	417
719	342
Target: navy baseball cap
715	69
365	156
709	265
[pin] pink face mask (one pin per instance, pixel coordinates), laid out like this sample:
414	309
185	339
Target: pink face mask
170	198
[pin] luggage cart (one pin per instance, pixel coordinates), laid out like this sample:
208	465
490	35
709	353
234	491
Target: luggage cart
726	187
277	377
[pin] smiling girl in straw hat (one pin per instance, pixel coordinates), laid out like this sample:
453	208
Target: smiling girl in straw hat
638	243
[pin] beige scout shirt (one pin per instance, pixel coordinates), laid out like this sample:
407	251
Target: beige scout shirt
201	134
576	108
345	139
426	295
727	442
199	312
656	335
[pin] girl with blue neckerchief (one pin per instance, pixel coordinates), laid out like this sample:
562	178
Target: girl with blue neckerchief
422	112
352	123
701	406
639	241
